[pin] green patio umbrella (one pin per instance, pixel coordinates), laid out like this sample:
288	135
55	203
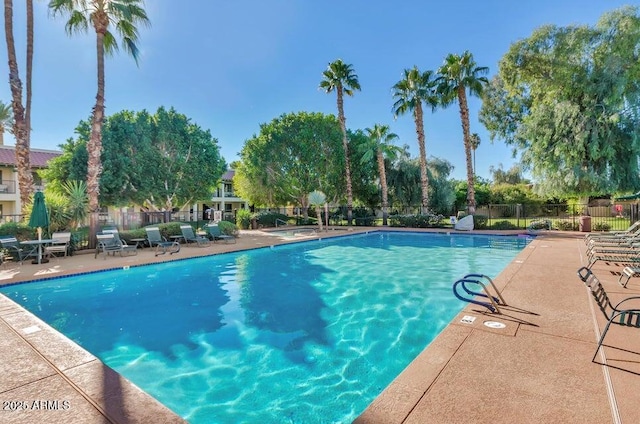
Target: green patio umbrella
39	218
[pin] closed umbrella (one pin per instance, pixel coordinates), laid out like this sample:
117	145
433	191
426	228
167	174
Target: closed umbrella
39	218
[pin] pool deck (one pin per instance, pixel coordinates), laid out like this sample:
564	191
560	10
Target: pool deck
537	369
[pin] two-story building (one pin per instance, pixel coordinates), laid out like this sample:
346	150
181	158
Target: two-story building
224	200
10	205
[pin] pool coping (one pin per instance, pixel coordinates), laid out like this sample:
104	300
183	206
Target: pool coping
44	365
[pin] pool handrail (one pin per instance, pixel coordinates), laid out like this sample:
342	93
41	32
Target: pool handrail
494	301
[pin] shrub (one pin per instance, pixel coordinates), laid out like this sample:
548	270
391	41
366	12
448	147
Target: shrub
503	225
228	228
566	226
243	219
268	219
362	217
480	222
19	230
540	224
601	226
415	221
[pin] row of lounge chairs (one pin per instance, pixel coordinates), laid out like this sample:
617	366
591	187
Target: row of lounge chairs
623	249
109	241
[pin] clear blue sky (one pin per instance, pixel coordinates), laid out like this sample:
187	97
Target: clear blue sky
232	65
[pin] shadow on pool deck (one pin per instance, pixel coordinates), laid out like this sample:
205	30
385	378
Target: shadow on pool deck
537	369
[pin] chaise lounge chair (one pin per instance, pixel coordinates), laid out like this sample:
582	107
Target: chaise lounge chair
60	244
615	314
162	245
632	231
189	236
12	246
110	243
215	234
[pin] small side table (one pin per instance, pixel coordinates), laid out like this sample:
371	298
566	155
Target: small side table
176	238
140	242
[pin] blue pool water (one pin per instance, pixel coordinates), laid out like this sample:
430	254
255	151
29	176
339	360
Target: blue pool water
304	333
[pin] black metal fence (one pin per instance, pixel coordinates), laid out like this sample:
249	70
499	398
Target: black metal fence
565	217
574	217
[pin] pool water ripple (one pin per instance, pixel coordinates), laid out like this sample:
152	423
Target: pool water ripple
300	333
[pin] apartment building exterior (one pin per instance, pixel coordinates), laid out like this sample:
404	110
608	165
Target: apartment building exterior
10	205
224	201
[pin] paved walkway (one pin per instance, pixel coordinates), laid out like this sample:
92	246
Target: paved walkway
536	370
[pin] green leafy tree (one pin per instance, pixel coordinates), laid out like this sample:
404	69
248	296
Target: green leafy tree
292	156
511	176
404	183
341	78
381	146
568	98
482	192
409	93
124	16
512	194
364	176
404	178
459	74
158	161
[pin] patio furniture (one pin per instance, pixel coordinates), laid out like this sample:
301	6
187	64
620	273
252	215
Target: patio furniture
162	245
619	314
633	230
627	273
13	248
215	234
110	243
190	237
627	257
615	249
60	244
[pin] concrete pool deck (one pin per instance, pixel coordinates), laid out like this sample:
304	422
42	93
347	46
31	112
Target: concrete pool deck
537	369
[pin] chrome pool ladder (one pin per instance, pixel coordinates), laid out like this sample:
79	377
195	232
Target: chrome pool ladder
471	280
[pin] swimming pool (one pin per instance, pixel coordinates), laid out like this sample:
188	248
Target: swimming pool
307	332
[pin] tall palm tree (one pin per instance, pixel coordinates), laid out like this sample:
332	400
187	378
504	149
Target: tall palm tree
20	129
340	77
474	139
124	16
410	92
458	74
381	146
29	73
6	120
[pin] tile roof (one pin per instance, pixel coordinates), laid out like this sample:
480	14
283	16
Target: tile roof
38	158
228	176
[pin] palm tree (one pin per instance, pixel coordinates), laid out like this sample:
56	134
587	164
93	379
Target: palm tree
6	120
458	74
123	15
339	77
27	106
474	139
381	146
317	199
417	87
20	129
